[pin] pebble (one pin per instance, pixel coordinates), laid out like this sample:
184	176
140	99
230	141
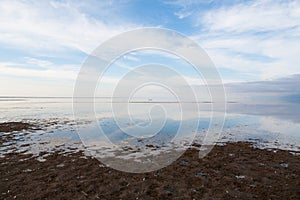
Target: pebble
240	177
285	165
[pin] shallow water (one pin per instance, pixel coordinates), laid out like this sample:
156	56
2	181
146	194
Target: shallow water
150	123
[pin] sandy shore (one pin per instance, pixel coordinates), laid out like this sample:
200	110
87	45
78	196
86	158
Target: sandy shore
234	171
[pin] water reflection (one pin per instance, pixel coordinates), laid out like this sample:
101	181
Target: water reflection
284	111
270	125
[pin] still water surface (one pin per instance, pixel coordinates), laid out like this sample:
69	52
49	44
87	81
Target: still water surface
149	123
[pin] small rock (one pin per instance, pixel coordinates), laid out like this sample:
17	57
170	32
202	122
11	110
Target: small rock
27	170
261	164
285	165
200	174
101	165
60	165
157	174
183	162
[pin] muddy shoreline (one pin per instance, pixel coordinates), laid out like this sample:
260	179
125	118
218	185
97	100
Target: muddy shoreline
233	171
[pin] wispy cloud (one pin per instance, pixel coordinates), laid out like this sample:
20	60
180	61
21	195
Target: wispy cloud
256	37
58	73
253	16
57	25
283	89
38	62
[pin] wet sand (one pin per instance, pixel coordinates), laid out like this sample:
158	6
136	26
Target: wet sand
234	171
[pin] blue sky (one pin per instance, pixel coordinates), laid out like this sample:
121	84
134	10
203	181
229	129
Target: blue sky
44	43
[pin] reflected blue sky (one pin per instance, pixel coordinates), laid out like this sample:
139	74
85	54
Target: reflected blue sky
274	125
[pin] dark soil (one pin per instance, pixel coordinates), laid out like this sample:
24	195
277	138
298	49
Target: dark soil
14	126
234	171
8	127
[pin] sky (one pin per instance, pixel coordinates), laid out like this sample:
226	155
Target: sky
43	44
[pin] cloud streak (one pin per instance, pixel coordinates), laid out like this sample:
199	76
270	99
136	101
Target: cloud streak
256	37
56	25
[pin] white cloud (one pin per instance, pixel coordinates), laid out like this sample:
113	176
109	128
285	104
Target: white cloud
19	86
262	15
61	73
43	25
52	29
259	37
38	62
